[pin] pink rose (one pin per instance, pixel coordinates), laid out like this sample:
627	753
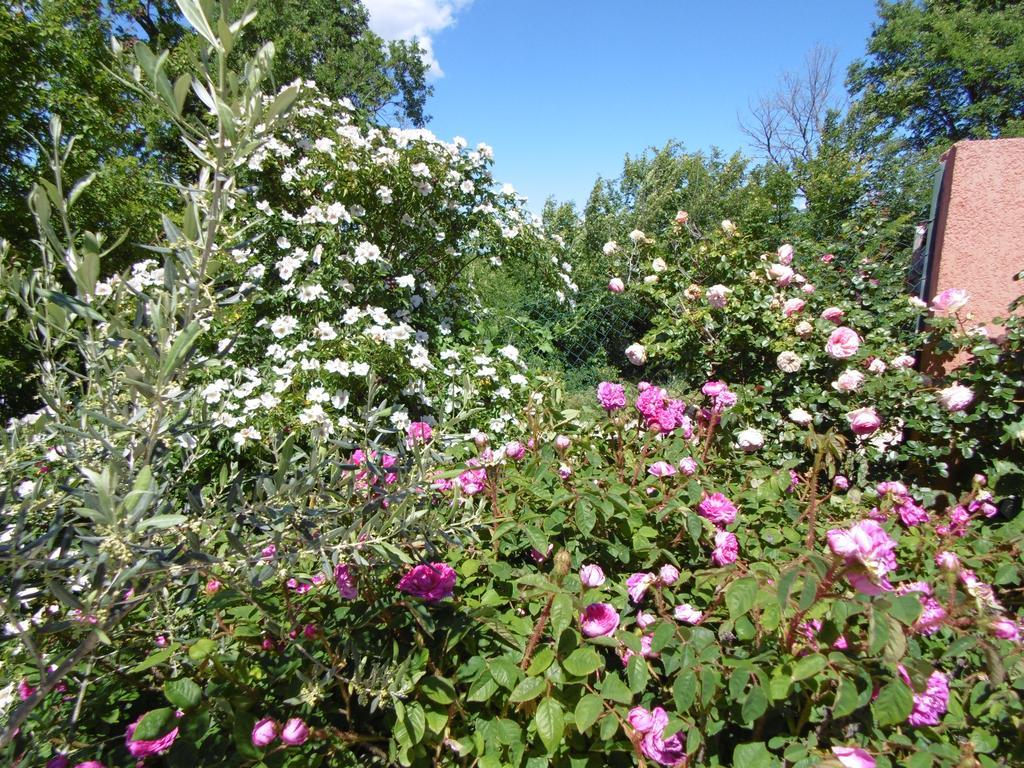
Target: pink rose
832	314
644	620
717	508
868	552
346	584
429	581
655	746
688	466
668	574
615	285
419	432
717	296
792	306
661	469
687	614
143	748
864	421
955	397
640	719
842	343
59	761
827	258
840	483
91	764
903	361
853	757
295	732
1005	629
726	548
598	620
848	381
877	366
947	561
637	585
950	300
591	575
646	648
562	443
264	732
931	704
785	254
781	274
611	396
515	450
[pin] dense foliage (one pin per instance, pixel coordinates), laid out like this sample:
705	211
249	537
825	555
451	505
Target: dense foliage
292	500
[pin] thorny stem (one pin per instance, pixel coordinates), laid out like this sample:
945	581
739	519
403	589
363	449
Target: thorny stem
538	631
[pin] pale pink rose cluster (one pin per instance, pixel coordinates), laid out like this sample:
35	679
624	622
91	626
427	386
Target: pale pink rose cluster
717	295
864	421
650	724
868	554
955	397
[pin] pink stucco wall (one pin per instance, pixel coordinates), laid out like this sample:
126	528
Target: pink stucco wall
979	227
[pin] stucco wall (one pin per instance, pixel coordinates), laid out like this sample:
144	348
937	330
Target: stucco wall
979	227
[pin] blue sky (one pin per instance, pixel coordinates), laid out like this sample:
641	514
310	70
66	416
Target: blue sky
563	89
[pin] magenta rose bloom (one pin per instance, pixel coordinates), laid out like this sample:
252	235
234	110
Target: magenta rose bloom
598	620
726	548
654	745
515	450
611	396
58	761
148	747
864	421
717	508
295	732
592	575
1005	629
931	704
842	343
832	314
688	466
264	732
853	757
346	584
868	552
432	582
419	432
661	469
637	585
91	764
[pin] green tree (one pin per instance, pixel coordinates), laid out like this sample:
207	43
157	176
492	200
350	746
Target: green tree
942	71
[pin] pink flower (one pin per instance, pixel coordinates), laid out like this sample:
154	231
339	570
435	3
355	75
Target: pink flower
346	584
869	554
848	381
955	397
644	620
864	421
430	581
646	649
472	481
931	704
717	296
591	575
781	274
840	483
877	366
950	300
688	466
717	508
661	469
90	764
615	285
150	746
654	745
419	432
611	396
562	443
792	306
25	690
598	620
853	757
1005	629
515	450
903	361
295	732
637	585
932	613
912	513
842	343
212	586
947	561
264	732
60	761
785	254
726	548
269	551
668	574
687	614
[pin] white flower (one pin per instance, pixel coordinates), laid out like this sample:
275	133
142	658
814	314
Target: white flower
421	170
658	265
636	354
360	369
284	326
955	397
509	352
385	194
326	331
800	416
610	247
25	489
308	293
245	435
637	237
717	295
789	362
286	267
336	212
728	227
366	252
406	281
750	439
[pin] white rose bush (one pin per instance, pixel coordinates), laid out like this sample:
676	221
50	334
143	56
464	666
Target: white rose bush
287	501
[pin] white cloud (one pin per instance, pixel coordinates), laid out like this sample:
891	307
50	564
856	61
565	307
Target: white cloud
414	19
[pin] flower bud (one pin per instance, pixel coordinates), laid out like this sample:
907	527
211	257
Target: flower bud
264	732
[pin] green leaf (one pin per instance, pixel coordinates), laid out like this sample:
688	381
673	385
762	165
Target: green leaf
586	517
684	690
613	689
847	698
161	522
561	613
752	755
503	671
183	693
906	608
740	596
755	704
588	710
529	688
636	673
415	721
541	661
808	666
550	722
582	662
896	644
483	689
201	649
893	705
438	689
154	724
154	658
